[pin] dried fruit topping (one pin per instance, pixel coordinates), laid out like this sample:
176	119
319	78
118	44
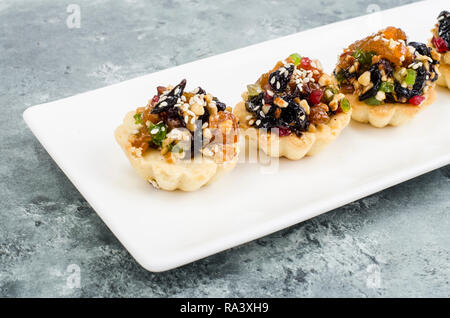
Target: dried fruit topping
180	122
440	44
416	100
394	33
386	68
283	131
319	114
375	78
316	96
295	58
345	105
283	97
306	63
444	30
253	89
388	44
170	99
279	79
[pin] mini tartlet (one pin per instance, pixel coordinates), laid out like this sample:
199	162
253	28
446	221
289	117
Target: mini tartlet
180	140
441	42
387	79
293	110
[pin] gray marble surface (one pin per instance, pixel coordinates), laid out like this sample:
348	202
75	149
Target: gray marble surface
394	243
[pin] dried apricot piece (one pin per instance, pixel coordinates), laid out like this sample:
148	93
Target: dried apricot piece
387	45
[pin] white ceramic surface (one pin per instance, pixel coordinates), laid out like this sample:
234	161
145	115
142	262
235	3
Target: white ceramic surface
163	230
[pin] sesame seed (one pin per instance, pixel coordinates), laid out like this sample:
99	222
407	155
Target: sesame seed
248	117
204	125
154	131
261	113
278	85
251	122
163	104
272	80
392	44
258	122
196	90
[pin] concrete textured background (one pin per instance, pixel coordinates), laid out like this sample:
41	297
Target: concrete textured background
394	243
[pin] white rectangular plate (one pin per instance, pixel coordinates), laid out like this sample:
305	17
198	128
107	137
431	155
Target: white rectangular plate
163	230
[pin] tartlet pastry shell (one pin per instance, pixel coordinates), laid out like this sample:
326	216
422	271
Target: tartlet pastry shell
444	79
387	114
291	147
154	168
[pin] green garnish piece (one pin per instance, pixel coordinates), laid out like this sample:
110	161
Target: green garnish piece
345	105
253	89
340	76
363	57
138	118
158	133
387	87
410	78
296	58
372	101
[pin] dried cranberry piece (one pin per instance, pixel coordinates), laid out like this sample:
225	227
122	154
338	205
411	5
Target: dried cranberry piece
416	100
305	63
283	131
155	99
440	44
268	98
316	96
